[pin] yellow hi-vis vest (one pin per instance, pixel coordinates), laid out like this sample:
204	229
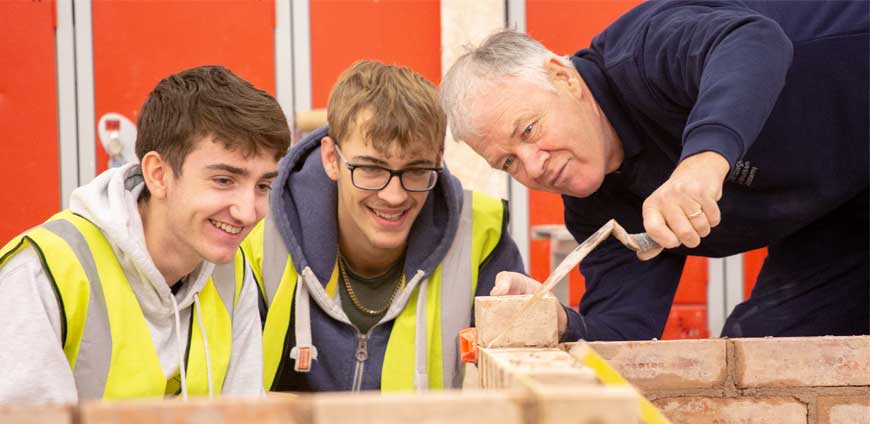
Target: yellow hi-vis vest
103	330
441	303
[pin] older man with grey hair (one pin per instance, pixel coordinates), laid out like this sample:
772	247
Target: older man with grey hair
691	122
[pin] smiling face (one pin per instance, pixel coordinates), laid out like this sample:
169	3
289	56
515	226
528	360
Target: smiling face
375	223
215	202
551	140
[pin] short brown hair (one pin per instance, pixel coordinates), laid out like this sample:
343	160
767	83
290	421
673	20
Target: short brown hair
209	100
404	107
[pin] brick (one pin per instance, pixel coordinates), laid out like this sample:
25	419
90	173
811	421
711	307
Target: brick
516	367
36	414
703	410
470	377
272	410
844	409
585	404
670	364
449	406
803	361
536	328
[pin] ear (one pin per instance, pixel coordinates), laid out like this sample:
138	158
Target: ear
329	157
157	173
564	77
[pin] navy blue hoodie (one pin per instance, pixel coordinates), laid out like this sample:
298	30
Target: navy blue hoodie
304	205
779	88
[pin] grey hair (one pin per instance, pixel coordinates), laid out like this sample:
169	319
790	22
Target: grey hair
504	54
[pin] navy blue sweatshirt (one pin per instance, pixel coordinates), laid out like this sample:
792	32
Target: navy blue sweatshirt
778	88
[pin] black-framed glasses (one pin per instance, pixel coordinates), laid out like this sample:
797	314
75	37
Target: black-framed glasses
373	177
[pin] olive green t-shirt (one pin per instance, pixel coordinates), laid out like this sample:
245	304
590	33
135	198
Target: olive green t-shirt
373	293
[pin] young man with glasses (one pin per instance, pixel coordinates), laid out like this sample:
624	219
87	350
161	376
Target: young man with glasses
373	252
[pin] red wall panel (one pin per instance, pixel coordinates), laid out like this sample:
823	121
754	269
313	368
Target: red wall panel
398	32
28	115
136	44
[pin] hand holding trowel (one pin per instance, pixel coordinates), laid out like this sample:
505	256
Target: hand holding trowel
641	243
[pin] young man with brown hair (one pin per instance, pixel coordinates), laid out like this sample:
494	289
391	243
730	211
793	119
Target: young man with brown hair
119	296
373	251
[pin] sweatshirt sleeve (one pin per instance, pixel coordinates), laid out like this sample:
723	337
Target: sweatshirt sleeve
725	65
627	299
245	373
32	361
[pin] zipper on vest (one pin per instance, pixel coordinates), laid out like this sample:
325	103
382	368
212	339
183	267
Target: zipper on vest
362	354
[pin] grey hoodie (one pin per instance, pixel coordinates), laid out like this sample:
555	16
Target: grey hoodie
32	362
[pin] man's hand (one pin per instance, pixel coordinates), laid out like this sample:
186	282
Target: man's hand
684	209
507	282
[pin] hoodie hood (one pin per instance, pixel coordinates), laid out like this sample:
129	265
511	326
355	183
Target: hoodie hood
110	202
304	204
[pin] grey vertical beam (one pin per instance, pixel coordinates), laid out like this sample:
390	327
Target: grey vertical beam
301	30
518	195
716	311
516	15
66	101
284	58
84	58
733	282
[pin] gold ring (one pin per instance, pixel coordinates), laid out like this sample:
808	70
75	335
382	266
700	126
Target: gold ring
695	214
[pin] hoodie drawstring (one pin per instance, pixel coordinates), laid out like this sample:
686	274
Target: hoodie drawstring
181	369
205	343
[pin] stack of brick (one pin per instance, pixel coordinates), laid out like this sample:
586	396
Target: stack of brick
748	381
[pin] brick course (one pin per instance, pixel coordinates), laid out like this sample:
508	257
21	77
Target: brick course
844	409
802	361
664	365
703	410
279	409
36	414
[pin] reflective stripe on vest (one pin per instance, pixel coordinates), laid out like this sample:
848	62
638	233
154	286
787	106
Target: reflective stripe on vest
104	333
446	307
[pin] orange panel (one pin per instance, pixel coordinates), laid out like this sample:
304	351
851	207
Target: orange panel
752	262
393	31
28	116
576	288
136	44
565	26
693	282
686	322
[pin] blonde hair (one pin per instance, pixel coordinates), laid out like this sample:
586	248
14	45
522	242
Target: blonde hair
402	105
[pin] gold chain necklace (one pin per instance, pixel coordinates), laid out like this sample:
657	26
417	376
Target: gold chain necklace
355	300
